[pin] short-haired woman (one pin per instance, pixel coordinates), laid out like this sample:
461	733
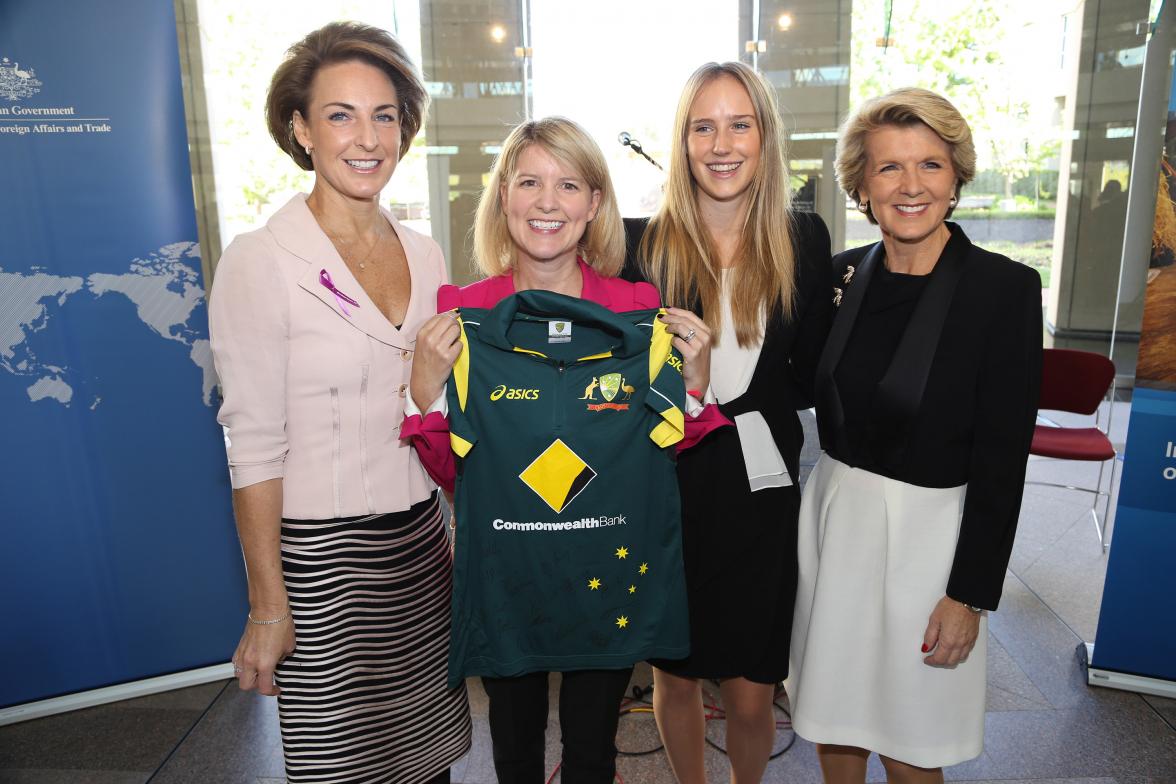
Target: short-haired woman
727	244
926	401
314	318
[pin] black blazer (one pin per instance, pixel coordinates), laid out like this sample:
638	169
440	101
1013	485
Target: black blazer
783	379
959	400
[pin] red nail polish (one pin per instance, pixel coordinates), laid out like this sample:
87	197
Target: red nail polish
925	648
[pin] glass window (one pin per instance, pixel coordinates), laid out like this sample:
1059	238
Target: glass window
1050	89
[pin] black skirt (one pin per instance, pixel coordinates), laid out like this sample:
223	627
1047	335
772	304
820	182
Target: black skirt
364	697
740	554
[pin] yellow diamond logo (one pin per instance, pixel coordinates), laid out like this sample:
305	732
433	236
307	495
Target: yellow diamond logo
558	475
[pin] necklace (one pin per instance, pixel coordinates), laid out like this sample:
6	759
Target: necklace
344	248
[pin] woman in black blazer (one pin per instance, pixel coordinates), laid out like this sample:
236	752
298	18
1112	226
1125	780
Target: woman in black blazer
725	244
926	400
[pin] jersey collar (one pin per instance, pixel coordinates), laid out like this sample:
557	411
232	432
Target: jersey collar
627	338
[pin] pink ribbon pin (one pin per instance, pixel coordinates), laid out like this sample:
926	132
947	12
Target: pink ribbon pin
340	297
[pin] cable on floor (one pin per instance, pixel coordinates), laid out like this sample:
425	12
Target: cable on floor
639	703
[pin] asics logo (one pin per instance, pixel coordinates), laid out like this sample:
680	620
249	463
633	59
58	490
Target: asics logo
502	391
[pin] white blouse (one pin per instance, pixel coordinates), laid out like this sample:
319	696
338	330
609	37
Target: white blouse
732	367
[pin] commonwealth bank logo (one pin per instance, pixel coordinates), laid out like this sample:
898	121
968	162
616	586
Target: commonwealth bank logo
16	82
558	475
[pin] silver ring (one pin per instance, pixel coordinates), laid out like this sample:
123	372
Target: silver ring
688	336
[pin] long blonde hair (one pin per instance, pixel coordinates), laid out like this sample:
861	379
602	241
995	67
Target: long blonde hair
677	252
603	245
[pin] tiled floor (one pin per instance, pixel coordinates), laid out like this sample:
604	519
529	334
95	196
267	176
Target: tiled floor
1044	724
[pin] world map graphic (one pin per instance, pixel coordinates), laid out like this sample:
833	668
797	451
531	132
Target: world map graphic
164	288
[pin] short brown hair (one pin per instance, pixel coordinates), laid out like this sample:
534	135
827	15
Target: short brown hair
603	245
341	42
903	107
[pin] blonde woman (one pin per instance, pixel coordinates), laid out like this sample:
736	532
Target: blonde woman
726	245
547	220
926	401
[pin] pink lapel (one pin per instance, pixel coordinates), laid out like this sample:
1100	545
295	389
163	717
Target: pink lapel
295	229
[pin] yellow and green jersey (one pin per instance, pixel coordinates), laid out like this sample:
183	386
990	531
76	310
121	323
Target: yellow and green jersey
568	556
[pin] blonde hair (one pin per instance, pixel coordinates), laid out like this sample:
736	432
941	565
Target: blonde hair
341	42
677	252
903	107
603	245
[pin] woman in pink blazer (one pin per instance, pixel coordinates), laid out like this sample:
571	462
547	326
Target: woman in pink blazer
314	324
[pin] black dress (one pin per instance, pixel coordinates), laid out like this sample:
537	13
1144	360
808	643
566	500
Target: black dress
740	547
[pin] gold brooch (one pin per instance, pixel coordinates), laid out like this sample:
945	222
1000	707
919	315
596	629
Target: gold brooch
836	297
848	276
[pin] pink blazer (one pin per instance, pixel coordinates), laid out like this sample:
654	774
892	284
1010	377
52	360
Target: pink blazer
314	386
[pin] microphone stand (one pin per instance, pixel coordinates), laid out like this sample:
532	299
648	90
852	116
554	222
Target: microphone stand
628	141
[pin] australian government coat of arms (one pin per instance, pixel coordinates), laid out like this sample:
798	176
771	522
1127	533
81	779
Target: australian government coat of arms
16	82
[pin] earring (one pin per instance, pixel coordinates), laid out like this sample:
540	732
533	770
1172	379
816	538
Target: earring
308	149
863	207
952	202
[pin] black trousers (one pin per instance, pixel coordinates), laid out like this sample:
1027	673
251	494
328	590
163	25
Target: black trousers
589	709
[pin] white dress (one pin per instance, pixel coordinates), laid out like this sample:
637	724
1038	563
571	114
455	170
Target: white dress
874	559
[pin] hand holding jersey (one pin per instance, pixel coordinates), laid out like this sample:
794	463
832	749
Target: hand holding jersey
692	340
437	348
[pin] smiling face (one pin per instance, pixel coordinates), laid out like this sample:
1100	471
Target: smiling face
723	140
353	128
909	181
548	206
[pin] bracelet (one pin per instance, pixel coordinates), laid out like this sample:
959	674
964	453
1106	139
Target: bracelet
973	609
256	622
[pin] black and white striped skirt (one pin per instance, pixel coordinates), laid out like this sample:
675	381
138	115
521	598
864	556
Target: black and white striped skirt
363	695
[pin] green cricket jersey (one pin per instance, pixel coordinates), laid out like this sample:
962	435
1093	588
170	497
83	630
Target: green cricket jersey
568	556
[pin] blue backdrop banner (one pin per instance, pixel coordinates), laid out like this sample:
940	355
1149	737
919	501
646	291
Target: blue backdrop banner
1137	623
119	560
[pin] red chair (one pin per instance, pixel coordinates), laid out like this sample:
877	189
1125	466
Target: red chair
1077	382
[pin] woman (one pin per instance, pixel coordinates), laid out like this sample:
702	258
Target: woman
926	401
547	220
313	322
725	242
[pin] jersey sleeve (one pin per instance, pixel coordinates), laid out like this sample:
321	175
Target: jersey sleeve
667	389
462	436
